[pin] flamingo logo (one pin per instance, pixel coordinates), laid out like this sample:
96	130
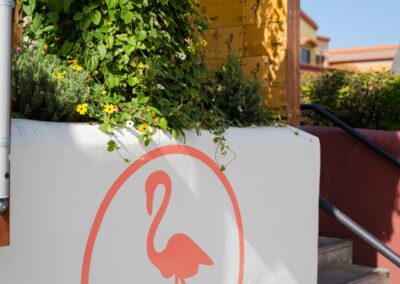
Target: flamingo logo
182	256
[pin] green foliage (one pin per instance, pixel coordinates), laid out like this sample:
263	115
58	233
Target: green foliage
146	57
240	99
365	100
144	53
45	88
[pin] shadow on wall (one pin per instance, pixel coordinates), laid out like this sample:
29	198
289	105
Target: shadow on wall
363	185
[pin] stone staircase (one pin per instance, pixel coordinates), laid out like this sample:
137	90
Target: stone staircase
335	265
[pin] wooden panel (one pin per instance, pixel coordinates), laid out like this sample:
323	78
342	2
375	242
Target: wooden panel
255	40
277	10
293	63
276	52
277	36
258	31
5	229
230	41
277	73
214	63
222	12
211	50
17	27
275	96
256	67
269	39
255	12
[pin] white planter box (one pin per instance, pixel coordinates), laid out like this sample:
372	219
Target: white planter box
62	177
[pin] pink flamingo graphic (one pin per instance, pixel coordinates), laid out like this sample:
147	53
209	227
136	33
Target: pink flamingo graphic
182	256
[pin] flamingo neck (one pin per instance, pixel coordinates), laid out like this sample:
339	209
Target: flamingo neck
156	222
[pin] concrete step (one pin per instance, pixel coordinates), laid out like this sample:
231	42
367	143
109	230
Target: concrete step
355	274
333	254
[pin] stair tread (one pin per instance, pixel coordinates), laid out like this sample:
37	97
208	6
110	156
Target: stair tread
355	274
327	244
333	254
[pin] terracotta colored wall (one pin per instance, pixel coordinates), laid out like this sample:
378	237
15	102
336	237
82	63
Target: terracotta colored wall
364	186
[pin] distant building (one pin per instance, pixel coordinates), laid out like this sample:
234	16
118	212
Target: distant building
396	63
316	56
314	48
372	58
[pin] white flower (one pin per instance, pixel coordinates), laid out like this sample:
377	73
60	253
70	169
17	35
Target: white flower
129	124
161	87
26	21
189	41
26	39
32	44
181	55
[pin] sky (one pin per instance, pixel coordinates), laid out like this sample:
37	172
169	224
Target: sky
356	23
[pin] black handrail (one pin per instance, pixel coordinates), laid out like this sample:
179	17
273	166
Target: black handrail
334	212
362	138
359	231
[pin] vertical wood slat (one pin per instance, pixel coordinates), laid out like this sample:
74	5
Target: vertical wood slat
17	28
5	229
293	63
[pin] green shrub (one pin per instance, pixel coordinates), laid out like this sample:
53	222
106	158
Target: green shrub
45	88
365	100
146	54
240	99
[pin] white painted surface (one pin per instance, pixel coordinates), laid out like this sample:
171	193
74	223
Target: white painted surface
6	11
60	174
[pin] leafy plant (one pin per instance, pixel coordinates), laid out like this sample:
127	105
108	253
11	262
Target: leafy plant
239	98
365	100
46	88
146	57
144	54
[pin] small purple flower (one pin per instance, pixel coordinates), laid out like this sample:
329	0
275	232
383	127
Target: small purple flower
18	50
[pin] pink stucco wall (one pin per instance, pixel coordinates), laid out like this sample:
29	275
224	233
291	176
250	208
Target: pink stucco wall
363	185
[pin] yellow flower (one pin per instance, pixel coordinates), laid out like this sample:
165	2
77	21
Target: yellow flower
60	75
73	61
144	128
203	43
82	108
77	67
109	108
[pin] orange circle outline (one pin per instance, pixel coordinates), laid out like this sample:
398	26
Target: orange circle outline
134	167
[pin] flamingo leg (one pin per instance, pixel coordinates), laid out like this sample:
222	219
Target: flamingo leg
176	280
183	281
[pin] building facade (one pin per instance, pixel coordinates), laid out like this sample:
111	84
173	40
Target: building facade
396	63
314	48
316	56
364	59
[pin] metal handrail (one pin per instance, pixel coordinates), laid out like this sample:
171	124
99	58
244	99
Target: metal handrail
334	212
359	231
360	137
